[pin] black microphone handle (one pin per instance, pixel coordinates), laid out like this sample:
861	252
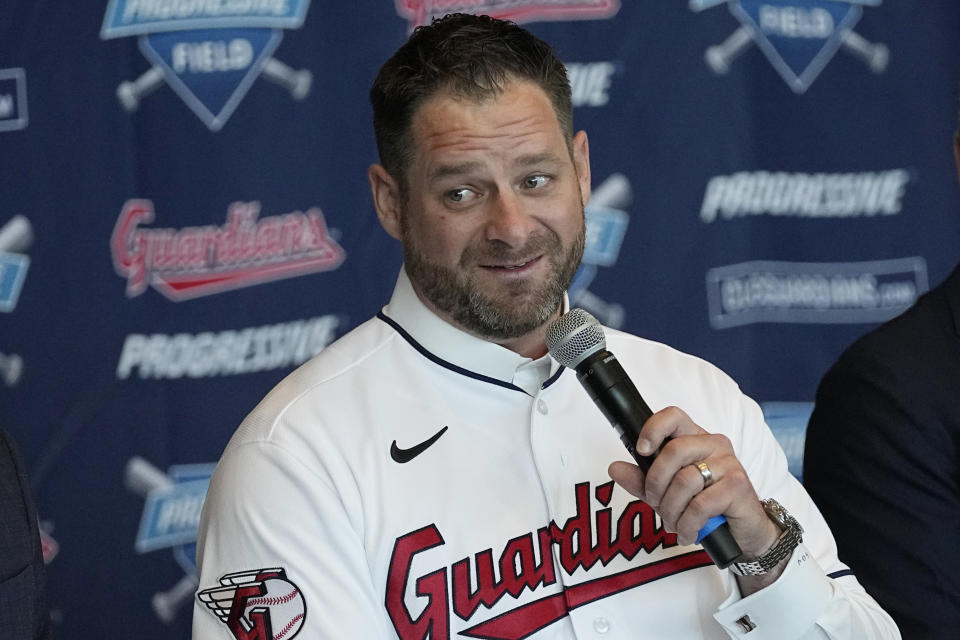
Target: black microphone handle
618	399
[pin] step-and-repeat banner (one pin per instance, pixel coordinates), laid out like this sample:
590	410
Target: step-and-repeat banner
185	218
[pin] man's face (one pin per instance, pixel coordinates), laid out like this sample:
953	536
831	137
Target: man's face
493	228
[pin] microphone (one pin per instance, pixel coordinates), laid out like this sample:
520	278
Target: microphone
576	341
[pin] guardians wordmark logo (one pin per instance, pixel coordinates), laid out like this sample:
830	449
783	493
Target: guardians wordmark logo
474	585
198	261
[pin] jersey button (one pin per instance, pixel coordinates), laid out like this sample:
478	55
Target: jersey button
601	625
542	406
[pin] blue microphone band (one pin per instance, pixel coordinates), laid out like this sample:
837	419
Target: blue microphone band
708	528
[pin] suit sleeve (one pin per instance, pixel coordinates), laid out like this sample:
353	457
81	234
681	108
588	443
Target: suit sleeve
884	472
266	511
23	604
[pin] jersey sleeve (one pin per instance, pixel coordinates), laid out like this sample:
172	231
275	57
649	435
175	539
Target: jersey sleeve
277	547
817	596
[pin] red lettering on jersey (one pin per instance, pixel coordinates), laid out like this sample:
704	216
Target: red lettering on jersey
435	619
519	569
526	619
526	562
575	538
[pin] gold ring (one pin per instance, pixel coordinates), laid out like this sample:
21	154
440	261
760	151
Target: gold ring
705	473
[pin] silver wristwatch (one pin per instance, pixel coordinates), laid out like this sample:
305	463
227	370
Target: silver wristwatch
792	536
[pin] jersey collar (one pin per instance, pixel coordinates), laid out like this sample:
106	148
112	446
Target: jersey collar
467	353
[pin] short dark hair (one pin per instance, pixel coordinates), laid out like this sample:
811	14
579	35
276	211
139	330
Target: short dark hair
471	56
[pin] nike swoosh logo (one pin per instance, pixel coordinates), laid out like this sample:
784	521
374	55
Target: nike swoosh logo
406	455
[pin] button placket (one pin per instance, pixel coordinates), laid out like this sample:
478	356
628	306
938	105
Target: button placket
601	624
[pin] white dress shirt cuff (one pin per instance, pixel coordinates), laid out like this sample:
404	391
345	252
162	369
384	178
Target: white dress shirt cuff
784	610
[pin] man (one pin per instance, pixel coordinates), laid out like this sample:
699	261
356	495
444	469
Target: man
23	602
435	474
885	436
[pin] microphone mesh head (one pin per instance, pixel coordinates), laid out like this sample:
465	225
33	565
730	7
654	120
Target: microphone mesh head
574	336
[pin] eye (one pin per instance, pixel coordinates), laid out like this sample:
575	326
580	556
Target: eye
461	195
535	181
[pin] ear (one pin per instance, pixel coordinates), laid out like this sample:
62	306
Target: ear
581	162
386	199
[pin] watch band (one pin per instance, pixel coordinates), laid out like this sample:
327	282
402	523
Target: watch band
791	536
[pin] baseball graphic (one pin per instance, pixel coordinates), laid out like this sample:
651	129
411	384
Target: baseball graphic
285	604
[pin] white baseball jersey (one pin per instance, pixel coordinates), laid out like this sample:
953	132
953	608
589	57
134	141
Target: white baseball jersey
413	481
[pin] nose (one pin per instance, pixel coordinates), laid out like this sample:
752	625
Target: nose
508	221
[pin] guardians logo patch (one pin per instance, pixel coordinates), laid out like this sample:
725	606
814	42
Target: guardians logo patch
257	605
209	52
798	37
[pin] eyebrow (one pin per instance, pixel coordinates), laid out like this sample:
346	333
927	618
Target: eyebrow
448	170
463	168
536	158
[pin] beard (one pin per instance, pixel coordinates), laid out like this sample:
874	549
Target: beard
508	311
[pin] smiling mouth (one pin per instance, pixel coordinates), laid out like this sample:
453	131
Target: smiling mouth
512	267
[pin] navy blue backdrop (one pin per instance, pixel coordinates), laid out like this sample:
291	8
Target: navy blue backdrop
184	218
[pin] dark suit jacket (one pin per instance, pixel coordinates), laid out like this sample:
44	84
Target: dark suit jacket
23	603
882	462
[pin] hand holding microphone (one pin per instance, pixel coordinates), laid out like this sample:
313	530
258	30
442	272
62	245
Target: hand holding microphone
671	480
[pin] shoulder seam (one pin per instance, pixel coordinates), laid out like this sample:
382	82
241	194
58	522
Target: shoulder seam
287	452
282	411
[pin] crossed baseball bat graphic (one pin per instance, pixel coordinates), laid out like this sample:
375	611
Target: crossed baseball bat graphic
297	82
719	57
141	477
